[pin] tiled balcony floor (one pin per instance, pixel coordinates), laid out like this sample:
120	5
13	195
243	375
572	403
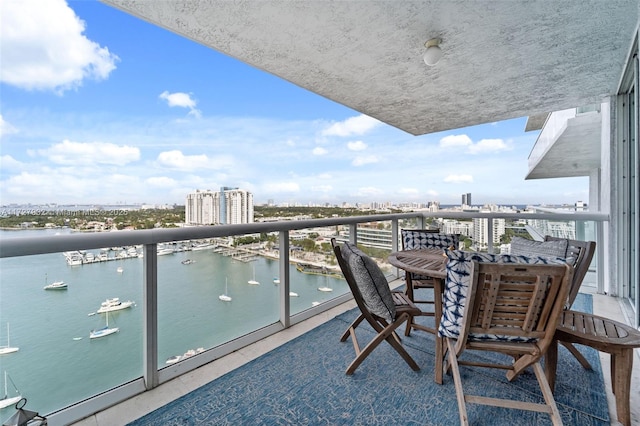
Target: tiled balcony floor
136	407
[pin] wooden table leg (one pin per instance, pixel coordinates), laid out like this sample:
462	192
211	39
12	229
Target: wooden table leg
621	367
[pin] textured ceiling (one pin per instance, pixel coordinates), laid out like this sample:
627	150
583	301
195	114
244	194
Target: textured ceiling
502	59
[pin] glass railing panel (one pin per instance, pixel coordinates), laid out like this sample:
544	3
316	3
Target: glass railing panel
537	229
57	363
210	293
315	276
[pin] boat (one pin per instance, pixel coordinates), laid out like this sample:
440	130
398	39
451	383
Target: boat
293	294
7	400
114	304
56	285
253	281
187	354
225	296
188	261
8	349
325	287
276	280
120	269
104	331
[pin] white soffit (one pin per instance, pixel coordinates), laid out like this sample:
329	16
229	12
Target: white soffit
502	59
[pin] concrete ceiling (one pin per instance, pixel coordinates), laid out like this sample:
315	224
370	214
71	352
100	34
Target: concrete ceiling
502	59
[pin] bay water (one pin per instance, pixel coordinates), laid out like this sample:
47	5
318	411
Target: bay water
58	364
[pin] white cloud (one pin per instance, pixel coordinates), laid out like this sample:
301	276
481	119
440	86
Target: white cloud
432	193
324	176
6	128
86	154
459	179
161	182
455	141
319	151
177	160
488	145
408	191
182	100
357	146
362	160
358	125
322	188
369	191
280	187
43	47
7	162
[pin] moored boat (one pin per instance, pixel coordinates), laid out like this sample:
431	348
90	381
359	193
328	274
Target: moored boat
114	304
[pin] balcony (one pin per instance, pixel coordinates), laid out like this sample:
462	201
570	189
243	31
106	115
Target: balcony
572	133
139	369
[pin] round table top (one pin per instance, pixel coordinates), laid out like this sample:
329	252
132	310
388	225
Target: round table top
430	261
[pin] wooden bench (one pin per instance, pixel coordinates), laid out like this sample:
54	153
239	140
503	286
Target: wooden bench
607	336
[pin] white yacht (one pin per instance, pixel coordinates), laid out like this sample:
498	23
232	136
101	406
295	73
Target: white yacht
114	304
57	285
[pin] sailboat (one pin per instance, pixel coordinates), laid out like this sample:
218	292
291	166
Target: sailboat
224	297
104	331
8	349
253	281
325	287
6	399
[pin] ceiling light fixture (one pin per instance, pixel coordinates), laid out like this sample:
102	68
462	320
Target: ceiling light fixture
433	53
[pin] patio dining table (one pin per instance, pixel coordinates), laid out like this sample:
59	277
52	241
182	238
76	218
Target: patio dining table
431	262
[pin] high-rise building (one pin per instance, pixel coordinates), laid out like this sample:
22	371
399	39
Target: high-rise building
228	206
466	199
481	231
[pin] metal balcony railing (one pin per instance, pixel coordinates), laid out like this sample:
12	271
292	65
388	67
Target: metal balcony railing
346	228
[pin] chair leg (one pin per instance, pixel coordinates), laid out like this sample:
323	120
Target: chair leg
455	370
409	292
353	326
551	363
547	394
385	334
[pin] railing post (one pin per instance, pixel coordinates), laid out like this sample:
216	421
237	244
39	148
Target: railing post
150	316
353	233
394	235
285	301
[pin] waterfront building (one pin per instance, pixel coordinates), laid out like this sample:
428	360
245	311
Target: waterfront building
228	206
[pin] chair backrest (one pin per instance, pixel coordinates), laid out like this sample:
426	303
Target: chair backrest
367	282
427	238
509	303
579	255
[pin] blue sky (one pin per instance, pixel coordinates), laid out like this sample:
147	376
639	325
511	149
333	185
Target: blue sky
97	106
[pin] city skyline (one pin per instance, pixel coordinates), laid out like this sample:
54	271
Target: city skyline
109	117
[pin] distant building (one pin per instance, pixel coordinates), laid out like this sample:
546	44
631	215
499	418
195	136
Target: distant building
466	199
228	206
481	231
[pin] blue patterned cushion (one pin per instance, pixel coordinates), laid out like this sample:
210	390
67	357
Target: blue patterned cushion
553	248
418	239
457	284
371	282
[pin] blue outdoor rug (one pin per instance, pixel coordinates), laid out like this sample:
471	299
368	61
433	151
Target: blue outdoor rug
303	383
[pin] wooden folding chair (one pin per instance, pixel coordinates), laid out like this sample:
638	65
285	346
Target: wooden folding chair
381	308
512	309
417	239
580	254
